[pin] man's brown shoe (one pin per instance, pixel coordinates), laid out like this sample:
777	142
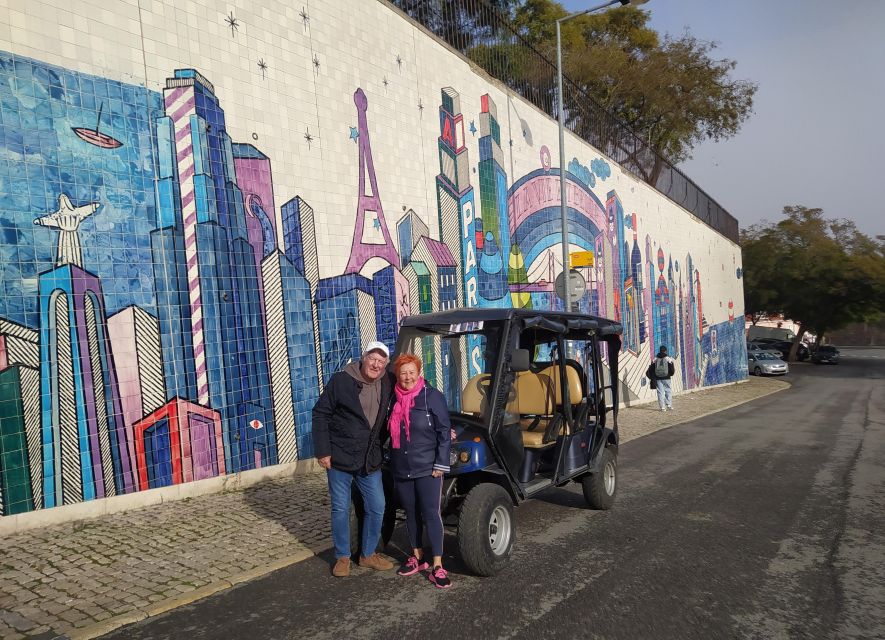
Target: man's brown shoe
377	562
341	568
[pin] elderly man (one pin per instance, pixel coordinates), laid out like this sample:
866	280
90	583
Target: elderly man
348	420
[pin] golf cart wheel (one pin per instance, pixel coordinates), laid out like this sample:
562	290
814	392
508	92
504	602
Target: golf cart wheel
485	529
600	487
757	371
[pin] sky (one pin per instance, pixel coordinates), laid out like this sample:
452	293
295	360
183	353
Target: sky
817	135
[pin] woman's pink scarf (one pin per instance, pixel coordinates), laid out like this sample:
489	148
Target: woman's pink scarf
405	400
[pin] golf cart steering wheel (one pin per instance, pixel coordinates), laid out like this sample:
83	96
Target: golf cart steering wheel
483	382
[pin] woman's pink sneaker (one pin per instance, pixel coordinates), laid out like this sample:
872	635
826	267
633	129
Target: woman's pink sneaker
440	578
412	566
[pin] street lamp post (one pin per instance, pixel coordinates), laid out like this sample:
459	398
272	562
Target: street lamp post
563	208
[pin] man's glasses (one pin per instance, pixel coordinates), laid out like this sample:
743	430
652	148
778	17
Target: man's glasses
376	360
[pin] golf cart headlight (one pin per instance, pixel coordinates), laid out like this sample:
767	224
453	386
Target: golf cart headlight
464	456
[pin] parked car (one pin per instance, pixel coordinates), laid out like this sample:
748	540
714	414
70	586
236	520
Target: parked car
784	347
529	418
760	346
825	353
763	363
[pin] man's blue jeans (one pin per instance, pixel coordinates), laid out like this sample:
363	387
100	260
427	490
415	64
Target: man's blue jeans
372	490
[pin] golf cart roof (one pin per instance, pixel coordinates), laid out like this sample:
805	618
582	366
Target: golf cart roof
553	320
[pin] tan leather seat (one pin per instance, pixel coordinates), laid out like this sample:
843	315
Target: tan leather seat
473	396
536	397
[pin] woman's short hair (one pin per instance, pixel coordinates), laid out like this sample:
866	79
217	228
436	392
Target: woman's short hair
406	358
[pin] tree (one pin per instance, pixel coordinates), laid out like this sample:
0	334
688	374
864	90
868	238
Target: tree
462	23
759	250
670	92
822	274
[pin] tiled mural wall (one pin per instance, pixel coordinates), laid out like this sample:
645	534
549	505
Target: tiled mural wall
205	210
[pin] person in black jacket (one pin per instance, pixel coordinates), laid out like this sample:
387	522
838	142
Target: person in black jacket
348	420
420	440
661	369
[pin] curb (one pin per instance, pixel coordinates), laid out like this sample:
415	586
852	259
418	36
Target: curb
157	608
80	511
712	411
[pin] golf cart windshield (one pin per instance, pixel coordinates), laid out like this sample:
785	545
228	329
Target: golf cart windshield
458	359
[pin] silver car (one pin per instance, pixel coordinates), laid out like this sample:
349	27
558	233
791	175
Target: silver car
764	363
759	346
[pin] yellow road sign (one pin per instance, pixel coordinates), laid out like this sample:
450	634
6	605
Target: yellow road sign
581	259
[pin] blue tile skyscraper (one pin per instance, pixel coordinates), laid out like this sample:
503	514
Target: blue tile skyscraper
212	328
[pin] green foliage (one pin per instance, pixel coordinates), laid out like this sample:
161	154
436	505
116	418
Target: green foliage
821	273
671	92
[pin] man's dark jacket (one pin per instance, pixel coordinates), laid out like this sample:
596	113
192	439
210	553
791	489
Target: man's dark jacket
340	427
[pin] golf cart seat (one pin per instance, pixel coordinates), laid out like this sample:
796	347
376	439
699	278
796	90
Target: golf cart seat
538	401
473	397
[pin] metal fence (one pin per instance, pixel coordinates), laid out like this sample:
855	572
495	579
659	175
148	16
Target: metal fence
482	31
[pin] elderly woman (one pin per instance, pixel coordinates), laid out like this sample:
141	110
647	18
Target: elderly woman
420	437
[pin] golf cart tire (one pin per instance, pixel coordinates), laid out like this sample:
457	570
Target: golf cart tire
486	532
601	487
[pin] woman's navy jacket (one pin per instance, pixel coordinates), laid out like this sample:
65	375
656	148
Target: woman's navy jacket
430	438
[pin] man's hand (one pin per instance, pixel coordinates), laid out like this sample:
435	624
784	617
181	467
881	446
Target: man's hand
436	473
325	462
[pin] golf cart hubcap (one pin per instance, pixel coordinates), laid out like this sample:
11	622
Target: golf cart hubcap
499	530
608	477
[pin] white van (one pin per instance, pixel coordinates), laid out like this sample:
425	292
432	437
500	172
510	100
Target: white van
756	332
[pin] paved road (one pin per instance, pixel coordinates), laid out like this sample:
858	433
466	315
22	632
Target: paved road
765	521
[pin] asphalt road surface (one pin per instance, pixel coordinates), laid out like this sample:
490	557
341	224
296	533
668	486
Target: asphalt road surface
764	521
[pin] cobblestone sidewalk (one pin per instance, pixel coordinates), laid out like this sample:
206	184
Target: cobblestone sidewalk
83	579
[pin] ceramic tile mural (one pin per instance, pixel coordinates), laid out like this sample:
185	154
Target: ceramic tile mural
200	224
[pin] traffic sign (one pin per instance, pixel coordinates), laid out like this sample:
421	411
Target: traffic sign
576	283
581	259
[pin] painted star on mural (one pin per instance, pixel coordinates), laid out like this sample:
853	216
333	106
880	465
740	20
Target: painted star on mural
472	127
376	223
354	133
233	23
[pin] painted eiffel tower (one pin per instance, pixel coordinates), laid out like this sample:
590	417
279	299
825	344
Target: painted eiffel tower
366	243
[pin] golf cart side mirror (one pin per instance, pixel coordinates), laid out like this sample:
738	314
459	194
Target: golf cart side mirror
520	360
